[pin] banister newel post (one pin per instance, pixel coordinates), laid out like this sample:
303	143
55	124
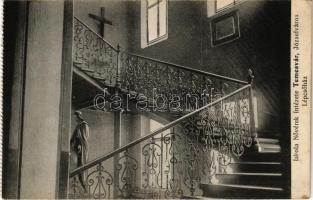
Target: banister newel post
250	76
251	102
117	127
118	68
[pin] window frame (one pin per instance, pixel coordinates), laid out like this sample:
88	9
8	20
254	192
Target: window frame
211	12
145	24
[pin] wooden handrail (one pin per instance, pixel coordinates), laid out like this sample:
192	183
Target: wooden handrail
160	130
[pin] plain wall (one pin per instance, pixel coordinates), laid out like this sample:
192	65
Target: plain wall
42	98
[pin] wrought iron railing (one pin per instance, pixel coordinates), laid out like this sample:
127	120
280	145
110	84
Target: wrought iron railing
172	161
94	55
146	75
142	75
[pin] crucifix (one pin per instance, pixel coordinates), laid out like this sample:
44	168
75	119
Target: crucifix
103	21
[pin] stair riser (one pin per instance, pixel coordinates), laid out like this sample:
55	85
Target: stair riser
265	181
236	193
256	168
259	157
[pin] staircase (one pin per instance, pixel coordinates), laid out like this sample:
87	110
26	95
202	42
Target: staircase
209	151
251	178
257	174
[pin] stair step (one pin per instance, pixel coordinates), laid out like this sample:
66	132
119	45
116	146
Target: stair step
270	146
249	187
148	194
241	191
79	196
269	150
268	140
192	197
252	179
257	167
266	145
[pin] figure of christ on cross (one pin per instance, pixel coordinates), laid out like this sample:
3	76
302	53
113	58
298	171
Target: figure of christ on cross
103	21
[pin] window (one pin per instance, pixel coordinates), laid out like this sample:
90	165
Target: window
221	4
215	6
153	21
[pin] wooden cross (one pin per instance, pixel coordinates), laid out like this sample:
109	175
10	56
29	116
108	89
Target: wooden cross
103	21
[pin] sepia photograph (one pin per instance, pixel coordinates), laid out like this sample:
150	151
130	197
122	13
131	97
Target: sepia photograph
155	99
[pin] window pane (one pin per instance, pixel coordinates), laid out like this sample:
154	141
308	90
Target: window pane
152	23
151	2
162	17
223	3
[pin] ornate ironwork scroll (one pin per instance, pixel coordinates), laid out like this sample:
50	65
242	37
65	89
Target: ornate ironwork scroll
151	77
225	126
127	167
152	169
98	183
173	144
93	55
